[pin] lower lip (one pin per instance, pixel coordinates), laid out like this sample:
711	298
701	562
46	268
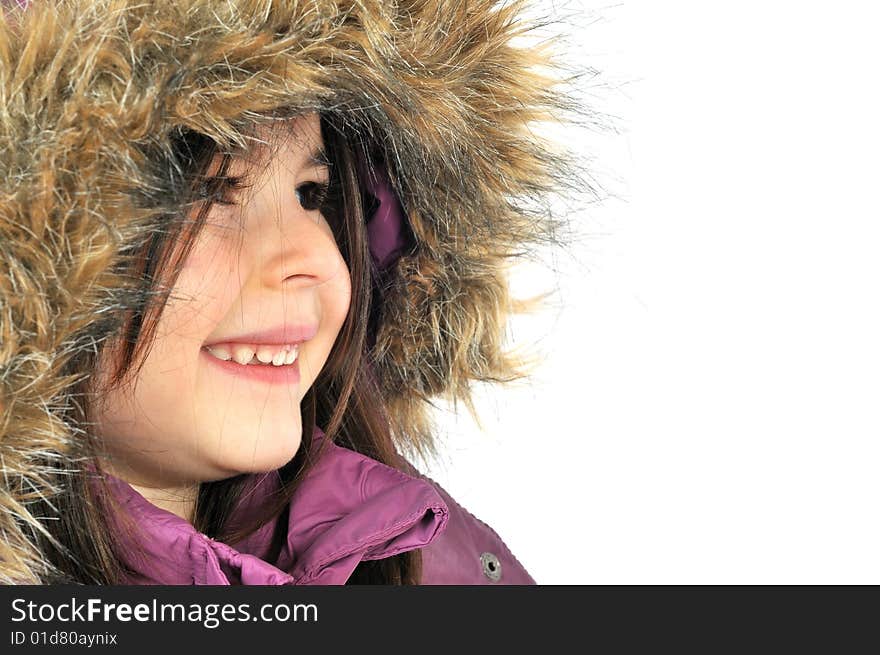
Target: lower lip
284	375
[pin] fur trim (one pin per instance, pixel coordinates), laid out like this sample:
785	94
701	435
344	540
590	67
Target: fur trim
91	91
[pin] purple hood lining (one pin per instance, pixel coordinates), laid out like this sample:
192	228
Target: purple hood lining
385	227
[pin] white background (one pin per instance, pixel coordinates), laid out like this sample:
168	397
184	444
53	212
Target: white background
707	408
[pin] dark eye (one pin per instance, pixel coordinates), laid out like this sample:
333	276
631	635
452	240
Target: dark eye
217	188
312	195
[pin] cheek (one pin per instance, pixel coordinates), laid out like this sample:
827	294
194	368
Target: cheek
121	415
336	297
206	287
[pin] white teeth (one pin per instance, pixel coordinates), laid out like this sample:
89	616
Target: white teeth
243	354
266	355
220	352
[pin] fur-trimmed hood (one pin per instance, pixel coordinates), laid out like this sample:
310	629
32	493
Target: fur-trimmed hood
91	92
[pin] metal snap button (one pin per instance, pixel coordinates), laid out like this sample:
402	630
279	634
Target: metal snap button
491	566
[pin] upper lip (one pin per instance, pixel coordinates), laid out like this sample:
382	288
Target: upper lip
277	336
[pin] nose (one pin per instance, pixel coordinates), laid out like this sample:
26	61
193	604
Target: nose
297	248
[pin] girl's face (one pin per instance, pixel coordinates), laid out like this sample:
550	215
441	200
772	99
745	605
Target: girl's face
263	273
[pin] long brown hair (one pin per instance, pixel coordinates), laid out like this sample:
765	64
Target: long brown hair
344	400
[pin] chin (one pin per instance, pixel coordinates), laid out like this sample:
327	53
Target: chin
268	454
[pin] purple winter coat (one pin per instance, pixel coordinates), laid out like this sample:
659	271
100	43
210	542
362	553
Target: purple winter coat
349	508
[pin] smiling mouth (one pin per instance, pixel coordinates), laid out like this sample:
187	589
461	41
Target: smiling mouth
255	355
281	375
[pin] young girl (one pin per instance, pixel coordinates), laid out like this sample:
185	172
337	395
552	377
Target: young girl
242	247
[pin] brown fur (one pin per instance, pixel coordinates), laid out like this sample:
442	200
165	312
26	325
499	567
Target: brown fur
90	91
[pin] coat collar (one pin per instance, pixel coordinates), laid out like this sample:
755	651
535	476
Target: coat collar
348	508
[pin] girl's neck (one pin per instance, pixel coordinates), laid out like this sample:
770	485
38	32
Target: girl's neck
179	501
